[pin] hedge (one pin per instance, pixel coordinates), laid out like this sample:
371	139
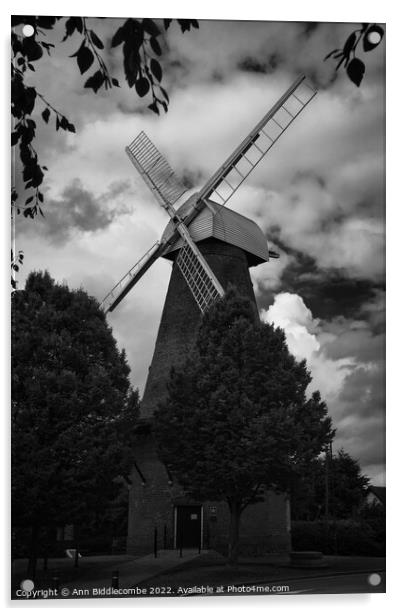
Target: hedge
343	537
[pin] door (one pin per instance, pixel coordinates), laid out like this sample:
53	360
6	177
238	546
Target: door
188	529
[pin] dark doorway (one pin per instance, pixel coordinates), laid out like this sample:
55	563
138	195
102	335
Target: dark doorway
188	526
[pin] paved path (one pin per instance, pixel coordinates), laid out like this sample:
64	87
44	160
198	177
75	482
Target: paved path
344	574
134	571
334	584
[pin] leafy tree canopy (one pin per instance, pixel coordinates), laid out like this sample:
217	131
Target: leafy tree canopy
72	406
347	488
141	43
237	419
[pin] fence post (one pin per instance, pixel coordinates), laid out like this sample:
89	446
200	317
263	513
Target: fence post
155	542
115	579
55	580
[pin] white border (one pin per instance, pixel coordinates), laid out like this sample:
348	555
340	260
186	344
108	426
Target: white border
308	10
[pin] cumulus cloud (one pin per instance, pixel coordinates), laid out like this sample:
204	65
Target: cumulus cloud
306	217
346	361
267	276
291	314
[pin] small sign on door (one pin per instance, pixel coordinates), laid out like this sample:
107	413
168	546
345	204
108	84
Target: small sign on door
193	516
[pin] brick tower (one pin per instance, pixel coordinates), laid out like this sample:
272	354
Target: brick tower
155	501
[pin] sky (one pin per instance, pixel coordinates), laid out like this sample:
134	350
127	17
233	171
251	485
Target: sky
318	196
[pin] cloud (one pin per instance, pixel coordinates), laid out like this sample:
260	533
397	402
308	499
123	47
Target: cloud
79	210
291	314
321	186
306	217
358	338
267	276
346	361
328	292
271	45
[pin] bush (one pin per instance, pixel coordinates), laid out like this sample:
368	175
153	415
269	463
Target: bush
344	537
88	545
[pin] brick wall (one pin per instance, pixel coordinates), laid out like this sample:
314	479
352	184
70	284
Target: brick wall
181	316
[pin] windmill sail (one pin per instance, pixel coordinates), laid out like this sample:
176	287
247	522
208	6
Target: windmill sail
120	290
155	170
200	278
260	140
204	291
159	176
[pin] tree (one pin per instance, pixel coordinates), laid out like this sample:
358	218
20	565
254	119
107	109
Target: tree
236	420
73	408
346	488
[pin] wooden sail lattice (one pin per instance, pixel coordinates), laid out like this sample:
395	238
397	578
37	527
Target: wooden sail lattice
155	170
259	141
199	280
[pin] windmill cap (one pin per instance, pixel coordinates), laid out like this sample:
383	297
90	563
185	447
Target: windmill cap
219	222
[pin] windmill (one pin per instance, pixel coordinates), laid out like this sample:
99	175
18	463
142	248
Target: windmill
165	185
211	246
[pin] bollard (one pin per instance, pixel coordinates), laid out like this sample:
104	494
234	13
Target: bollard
56	581
115	579
155	542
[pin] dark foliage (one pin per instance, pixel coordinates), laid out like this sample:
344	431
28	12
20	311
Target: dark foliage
370	36
140	48
347	488
73	409
237	420
343	537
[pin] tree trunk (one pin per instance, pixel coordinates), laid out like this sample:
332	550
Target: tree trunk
33	555
235	513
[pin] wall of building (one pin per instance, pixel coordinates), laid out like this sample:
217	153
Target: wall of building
150	501
181	316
